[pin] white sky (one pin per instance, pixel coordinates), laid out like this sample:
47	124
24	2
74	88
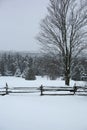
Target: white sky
19	23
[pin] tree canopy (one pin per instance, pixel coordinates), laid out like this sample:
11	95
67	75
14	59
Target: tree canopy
64	31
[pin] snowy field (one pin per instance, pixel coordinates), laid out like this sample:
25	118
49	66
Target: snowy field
34	112
43	113
21	82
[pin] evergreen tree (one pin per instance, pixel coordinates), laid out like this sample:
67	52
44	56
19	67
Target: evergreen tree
30	75
18	72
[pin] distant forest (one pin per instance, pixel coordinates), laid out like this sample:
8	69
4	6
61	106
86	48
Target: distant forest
29	65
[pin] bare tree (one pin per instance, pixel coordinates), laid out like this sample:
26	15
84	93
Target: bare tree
64	31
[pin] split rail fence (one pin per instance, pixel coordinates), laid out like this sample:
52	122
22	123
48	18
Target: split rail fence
45	90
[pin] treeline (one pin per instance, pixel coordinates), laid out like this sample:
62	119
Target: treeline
28	66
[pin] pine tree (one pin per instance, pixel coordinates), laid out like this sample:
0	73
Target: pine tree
30	75
18	72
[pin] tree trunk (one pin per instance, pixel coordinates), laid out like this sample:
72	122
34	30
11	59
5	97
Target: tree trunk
67	80
67	77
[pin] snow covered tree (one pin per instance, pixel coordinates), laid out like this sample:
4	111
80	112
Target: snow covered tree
51	66
29	71
18	72
64	31
25	71
2	69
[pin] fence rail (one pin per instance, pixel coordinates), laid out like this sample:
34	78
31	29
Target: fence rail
46	90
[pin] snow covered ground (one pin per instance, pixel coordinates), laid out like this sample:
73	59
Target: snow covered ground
34	112
43	113
21	82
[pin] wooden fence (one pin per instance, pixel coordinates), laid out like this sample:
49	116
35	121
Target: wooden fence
46	90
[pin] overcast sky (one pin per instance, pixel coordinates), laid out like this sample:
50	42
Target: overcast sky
19	23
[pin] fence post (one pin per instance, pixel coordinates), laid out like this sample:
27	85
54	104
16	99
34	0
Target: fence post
6	88
41	90
75	88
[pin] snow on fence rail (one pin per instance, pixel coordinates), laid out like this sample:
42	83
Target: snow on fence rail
45	90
